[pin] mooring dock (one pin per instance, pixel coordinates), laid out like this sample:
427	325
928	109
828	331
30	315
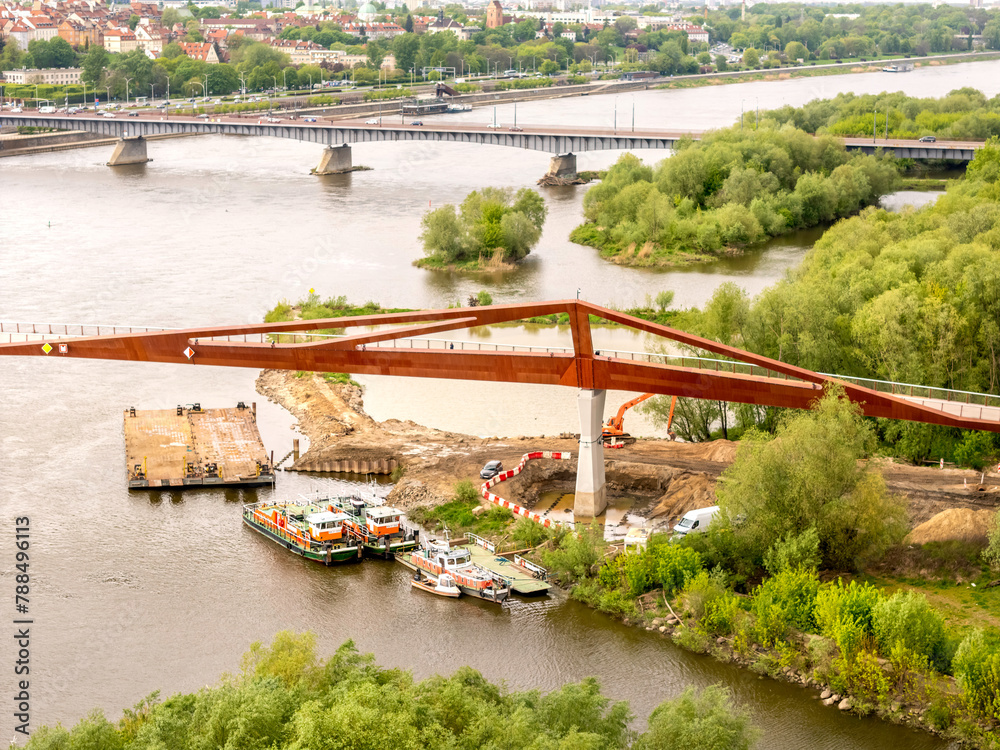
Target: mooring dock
525	578
194	447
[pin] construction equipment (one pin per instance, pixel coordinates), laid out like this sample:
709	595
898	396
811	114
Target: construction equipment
614	431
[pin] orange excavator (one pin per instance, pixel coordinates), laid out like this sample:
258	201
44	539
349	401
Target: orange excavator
614	430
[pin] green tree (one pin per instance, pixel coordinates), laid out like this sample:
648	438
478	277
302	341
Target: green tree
814	476
699	720
751	58
548	67
795	51
94	63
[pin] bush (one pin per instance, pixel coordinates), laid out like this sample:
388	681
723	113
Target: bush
977	667
793	552
865	679
715	607
709	720
992	552
465	492
576	555
837	604
784	601
528	533
974	449
907	618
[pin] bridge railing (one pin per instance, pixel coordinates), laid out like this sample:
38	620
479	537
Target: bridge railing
15	331
912	391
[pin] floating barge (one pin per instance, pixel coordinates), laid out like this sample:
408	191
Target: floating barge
194	447
524	577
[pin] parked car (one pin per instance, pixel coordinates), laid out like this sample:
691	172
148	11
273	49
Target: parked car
491	470
928	139
696	520
417	122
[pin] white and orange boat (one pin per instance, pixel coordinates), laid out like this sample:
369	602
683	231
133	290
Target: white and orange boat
377	527
312	531
438	558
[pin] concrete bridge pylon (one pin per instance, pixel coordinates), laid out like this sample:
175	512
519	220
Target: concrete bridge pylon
129	151
563	165
591	490
335	160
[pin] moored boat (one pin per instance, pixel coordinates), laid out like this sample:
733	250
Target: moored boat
437	559
307	529
443	585
377	528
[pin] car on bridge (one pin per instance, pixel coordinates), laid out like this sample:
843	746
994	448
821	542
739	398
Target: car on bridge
515	129
417	123
928	139
372	121
108	114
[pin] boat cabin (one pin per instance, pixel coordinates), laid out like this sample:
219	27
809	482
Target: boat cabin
326	526
382	520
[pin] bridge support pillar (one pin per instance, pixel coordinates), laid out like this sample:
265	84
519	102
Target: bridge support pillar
335	160
591	491
129	151
563	165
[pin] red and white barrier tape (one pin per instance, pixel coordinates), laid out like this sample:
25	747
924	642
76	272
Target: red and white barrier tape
503	476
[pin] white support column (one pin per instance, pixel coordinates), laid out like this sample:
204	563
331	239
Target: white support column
591	492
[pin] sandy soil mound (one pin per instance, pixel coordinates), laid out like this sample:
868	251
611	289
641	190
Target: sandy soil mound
685	492
955	523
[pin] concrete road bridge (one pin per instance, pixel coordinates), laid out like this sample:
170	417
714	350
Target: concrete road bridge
563	142
406	345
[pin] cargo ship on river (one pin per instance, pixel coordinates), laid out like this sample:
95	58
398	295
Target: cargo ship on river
313	531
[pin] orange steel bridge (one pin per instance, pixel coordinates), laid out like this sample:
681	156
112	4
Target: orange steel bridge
390	350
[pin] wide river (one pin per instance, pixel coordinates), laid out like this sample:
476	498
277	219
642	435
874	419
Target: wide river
133	592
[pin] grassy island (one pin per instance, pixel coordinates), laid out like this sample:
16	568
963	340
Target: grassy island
491	230
733	189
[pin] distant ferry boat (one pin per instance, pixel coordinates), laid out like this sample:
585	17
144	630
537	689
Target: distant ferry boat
307	529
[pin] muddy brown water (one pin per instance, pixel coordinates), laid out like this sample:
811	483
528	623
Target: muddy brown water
134	592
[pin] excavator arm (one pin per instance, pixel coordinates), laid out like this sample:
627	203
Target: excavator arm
615	426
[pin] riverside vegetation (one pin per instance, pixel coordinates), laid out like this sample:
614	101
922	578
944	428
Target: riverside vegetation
764	585
732	189
964	114
285	698
911	297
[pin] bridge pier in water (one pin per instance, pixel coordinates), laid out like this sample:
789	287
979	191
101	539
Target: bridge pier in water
335	160
129	151
591	491
563	165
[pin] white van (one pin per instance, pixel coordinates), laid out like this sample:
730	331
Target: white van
696	520
46	110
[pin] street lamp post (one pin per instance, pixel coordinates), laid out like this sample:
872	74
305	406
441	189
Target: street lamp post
127	82
616	116
109	94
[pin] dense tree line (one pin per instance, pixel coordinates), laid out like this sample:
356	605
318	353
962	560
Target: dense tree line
964	114
855	31
911	297
733	188
285	698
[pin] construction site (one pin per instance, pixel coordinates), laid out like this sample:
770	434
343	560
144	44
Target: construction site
651	482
